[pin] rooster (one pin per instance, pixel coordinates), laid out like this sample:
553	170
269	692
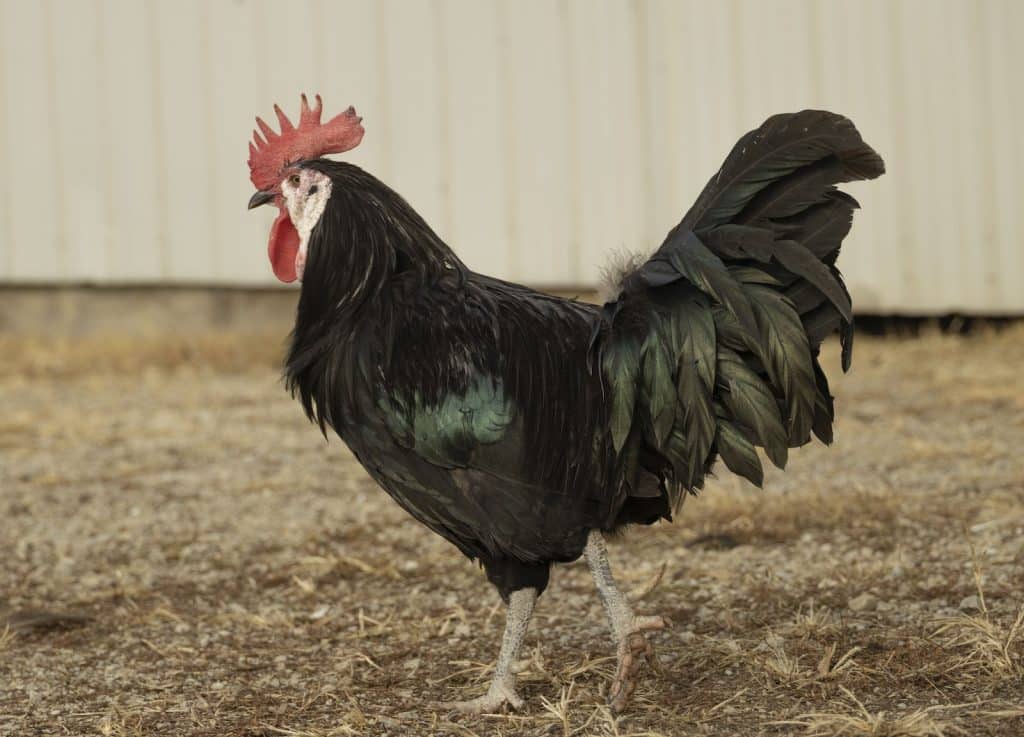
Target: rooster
525	428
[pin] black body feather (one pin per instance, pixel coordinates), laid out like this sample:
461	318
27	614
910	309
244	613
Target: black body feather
512	423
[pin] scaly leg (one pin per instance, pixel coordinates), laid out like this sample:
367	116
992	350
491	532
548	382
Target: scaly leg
627	629
502	690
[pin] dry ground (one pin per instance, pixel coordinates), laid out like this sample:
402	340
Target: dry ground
182	554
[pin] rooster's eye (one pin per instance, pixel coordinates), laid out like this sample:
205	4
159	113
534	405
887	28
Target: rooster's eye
294	180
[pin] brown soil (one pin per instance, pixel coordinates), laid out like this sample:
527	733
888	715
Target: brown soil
183	554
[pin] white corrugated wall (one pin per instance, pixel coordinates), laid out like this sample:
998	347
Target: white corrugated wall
536	136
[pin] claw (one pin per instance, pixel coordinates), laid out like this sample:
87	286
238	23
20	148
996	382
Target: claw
495	701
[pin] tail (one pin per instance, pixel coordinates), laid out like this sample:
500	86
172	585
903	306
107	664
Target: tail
710	347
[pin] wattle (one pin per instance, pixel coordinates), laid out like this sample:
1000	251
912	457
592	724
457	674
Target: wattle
283	247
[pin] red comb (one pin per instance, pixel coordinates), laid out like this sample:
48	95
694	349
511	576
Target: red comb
311	139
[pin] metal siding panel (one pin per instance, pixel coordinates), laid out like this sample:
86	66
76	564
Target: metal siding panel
774	65
610	153
134	247
7	11
669	42
348	51
349	56
886	223
923	120
880	102
967	158
626	143
718	90
942	96
697	88
586	79
476	187
537	137
1004	120
536	141
76	44
31	157
187	186
856	80
415	106
640	41
271	60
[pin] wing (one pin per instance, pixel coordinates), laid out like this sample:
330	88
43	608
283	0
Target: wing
492	420
710	348
467	427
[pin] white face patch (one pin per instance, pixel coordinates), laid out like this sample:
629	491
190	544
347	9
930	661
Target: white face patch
305	202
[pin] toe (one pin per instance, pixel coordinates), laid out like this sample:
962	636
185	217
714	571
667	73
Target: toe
650	624
506	695
467	708
620	694
634	650
496	700
479	705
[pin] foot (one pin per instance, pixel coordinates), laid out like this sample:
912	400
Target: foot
498	697
634	649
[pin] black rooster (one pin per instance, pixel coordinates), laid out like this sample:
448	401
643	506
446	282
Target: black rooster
523	427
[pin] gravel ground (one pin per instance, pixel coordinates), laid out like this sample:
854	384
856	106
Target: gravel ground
183	554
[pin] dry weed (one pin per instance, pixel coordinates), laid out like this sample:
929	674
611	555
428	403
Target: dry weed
611	725
119	723
813	621
559	711
6	637
791	670
342	730
986	646
857	721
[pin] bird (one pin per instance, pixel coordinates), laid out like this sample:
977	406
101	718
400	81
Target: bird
526	428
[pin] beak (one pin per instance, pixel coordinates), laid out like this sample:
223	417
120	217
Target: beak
261	198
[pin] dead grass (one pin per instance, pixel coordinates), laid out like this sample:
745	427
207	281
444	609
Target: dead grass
856	721
70	357
989	648
797	671
183	555
813	621
6	637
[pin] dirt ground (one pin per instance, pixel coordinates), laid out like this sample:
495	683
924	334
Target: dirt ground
181	553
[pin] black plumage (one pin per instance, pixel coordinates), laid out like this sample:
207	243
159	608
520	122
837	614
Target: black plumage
512	423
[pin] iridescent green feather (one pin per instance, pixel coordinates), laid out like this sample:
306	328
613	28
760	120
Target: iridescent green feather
695	384
620	364
446	433
738	452
752	404
706	271
658	390
786	354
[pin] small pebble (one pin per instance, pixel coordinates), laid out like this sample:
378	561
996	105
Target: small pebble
863	603
970	604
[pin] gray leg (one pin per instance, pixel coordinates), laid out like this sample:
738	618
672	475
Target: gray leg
502	690
627	628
